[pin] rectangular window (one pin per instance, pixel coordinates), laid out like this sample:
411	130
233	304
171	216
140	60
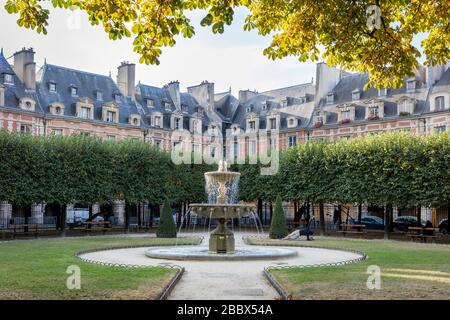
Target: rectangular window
57	132
99	95
345	114
177	124
355	96
9	78
373	111
167	105
74	92
330	98
440	129
52	87
273	123
157	121
382	92
235	150
25	128
292	141
411	85
110	116
110	137
85	112
252	147
252	125
439	104
150	103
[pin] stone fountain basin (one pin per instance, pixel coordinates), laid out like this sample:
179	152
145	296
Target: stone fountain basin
202	253
218	211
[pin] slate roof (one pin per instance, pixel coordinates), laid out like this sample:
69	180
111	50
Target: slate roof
352	82
17	91
160	96
87	84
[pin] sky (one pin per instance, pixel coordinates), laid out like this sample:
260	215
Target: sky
233	59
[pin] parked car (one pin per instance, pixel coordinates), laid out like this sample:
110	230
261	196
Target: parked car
443	226
403	222
372	222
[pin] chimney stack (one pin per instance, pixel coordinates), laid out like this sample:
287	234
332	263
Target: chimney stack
174	92
126	79
204	94
25	67
245	95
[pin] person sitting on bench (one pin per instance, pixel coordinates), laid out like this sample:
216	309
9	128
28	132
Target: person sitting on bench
302	232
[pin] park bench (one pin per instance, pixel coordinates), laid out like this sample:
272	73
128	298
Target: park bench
24	228
352	229
421	233
104	226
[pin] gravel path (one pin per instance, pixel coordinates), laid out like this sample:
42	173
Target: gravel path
233	280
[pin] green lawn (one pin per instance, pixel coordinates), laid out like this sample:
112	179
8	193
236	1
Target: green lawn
36	269
408	271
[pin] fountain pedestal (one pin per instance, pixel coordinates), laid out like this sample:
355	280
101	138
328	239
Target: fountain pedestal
221	239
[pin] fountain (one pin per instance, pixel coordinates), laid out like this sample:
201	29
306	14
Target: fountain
222	189
221	186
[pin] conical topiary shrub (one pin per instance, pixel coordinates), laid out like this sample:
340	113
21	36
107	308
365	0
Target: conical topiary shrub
167	227
278	227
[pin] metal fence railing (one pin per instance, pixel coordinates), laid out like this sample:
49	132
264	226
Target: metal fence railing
46	222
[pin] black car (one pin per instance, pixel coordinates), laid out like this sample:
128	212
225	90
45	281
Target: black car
402	223
372	222
443	226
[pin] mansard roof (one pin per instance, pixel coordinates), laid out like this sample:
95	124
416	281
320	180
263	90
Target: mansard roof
87	84
348	84
14	93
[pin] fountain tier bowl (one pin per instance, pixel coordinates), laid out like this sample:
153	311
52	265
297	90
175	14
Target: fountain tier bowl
202	253
222	211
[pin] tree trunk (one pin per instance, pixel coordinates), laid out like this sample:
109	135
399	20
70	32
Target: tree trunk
386	222
359	213
63	220
270	212
339	217
448	217
322	218
419	216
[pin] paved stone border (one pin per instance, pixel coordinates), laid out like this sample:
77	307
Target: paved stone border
279	288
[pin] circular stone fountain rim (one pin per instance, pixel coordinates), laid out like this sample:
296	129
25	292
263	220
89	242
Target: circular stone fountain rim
221	173
203	254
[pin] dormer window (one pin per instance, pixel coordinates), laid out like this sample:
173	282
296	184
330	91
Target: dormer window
85	112
117	97
302	100
330	98
57	109
248	109
74	92
52	87
346	113
195	126
356	95
27	104
150	103
284	103
383	92
157	121
167	105
184	108
439	103
264	106
9	78
110	116
405	106
134	119
252	125
411	85
99	95
292	122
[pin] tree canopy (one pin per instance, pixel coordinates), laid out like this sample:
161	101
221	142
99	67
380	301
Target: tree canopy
367	35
